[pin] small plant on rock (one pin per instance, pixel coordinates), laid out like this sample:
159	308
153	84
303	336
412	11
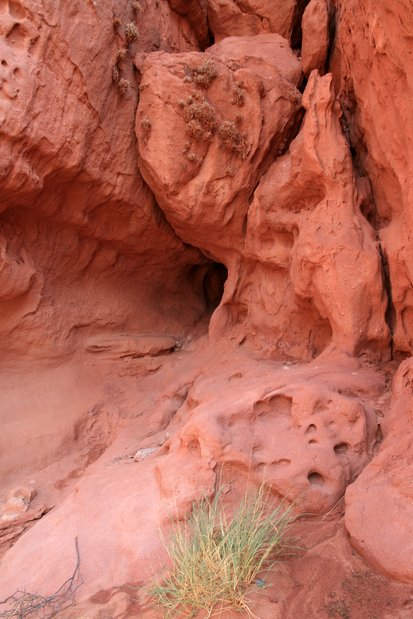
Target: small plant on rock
216	559
123	86
146	127
200	117
203	75
232	139
121	55
238	95
115	74
137	6
131	33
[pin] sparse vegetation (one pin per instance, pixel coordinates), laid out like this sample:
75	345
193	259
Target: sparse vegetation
238	95
232	139
123	86
131	33
25	605
193	158
200	118
216	559
146	128
137	6
121	55
203	75
115	74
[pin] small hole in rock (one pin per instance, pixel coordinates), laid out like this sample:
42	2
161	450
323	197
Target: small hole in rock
4	63
341	448
311	429
315	478
312	442
193	445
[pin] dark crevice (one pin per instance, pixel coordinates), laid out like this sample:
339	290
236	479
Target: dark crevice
303	84
368	209
209	281
297	34
276	149
200	28
332	28
274	152
210	33
390	314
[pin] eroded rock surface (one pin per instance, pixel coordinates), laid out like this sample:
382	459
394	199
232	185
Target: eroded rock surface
379	512
250	17
205	243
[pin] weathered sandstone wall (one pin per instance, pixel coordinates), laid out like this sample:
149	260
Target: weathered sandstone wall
205	281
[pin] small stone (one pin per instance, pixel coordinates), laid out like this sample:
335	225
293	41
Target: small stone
17	503
141	454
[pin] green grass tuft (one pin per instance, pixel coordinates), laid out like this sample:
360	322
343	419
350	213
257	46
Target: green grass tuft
217	559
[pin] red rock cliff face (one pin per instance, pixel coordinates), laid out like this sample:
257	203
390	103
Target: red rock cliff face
205	281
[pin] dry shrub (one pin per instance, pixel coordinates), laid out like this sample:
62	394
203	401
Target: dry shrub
238	96
25	605
233	140
121	55
204	74
123	86
115	75
200	118
137	6
131	33
146	128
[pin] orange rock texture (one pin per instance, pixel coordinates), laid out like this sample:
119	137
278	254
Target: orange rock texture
206	240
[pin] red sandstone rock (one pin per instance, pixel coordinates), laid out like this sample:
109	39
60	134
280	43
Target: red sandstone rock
17	503
233	18
308	202
115	403
201	147
317	442
196	13
372	65
379	506
315	36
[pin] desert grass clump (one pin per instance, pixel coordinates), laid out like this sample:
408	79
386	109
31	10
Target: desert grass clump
216	559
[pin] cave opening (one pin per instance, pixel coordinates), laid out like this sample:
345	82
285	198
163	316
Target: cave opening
213	285
209	281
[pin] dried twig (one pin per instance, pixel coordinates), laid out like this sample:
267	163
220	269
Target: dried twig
25	605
